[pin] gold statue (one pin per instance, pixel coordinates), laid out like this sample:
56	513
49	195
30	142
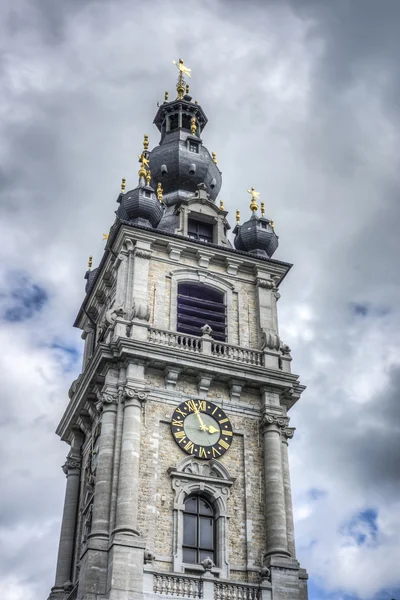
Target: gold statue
214	157
105	237
254	197
159	192
221	205
238	216
262	206
123	185
146	142
193	125
90	262
183	70
143	159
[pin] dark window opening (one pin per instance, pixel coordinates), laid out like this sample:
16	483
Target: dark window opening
193	147
173	122
200	231
263	225
199	305
186	122
198	530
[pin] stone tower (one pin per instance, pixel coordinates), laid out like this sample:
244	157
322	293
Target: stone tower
177	475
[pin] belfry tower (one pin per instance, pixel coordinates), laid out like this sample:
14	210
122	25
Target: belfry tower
177	475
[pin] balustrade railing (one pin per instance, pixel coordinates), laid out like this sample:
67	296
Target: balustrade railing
236	591
195	344
175	340
177	585
243	355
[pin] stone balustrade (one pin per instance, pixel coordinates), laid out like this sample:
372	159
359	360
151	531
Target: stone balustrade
236	591
195	344
179	586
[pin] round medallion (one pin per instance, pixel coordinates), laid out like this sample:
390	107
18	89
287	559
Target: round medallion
202	429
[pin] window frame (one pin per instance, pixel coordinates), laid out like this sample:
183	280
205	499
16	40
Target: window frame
213	553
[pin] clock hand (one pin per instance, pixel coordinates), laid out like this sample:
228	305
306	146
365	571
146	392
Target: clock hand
212	429
197	413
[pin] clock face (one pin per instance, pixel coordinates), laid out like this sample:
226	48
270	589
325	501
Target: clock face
202	429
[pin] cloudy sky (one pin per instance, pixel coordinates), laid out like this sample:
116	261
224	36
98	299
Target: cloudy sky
303	103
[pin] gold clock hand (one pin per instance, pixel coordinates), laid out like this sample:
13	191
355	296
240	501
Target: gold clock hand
212	429
197	413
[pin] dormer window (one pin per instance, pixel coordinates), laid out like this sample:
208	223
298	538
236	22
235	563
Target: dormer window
147	194
197	230
193	147
263	225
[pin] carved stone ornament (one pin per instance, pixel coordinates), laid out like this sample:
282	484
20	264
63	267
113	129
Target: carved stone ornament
140	311
206	330
265	573
207	564
269	419
142	253
285	349
270	340
148	557
203	469
265	283
106	399
71	463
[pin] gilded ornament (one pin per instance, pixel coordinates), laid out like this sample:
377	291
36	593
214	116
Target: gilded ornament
146	142
221	205
183	70
159	192
262	206
90	262
148	177
254	197
123	185
238	216
193	125
214	157
166	96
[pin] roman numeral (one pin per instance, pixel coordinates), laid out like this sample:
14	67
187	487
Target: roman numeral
191	405
223	421
202	453
180	434
227	433
202	405
189	447
223	444
177	423
215	410
178	410
215	452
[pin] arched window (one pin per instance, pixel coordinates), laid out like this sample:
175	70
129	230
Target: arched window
198	530
199	305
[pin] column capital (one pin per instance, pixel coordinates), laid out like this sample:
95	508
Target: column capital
287	433
71	463
106	401
135	395
269	419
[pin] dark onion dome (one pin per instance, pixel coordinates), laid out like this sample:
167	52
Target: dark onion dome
181	161
140	206
256	236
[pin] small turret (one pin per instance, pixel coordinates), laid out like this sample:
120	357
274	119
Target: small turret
257	235
141	205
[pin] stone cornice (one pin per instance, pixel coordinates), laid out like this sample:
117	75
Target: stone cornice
286	384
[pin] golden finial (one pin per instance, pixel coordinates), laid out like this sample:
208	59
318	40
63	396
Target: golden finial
166	96
123	184
90	262
183	70
148	177
214	157
159	192
221	205
262	205
193	125
146	142
196	101
272	224
254	197
187	88
105	237
238	216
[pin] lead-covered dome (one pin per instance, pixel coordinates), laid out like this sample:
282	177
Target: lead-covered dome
256	236
140	206
181	162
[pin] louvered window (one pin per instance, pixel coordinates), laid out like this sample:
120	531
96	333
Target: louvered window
199	305
197	230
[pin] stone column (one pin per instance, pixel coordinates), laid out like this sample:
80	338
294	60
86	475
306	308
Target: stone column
275	514
287	433
72	469
128	486
104	471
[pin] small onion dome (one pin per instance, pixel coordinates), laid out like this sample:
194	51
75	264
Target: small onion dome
256	236
140	206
